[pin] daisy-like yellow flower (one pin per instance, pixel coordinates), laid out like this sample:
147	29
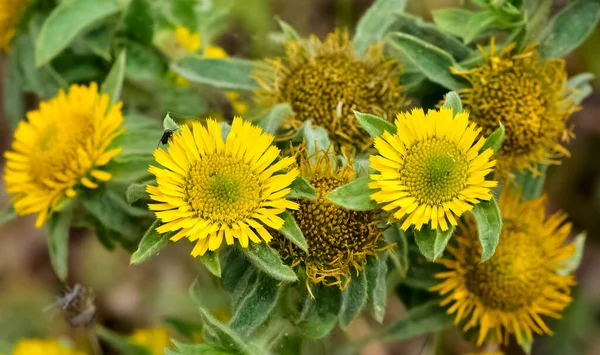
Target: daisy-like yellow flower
210	189
508	293
43	347
325	81
529	97
61	148
339	240
10	14
431	169
153	339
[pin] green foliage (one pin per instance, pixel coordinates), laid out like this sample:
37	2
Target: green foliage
212	262
7	214
315	138
355	195
572	263
495	139
354	298
374	125
319	313
463	23
289	33
136	192
292	232
139	21
57	238
532	184
272	121
453	101
120	343
224	336
113	84
224	73
302	189
374	24
432	242
376	271
195	349
581	86
12	100
489	226
265	258
150	245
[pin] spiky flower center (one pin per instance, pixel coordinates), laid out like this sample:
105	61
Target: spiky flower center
222	189
514	278
435	171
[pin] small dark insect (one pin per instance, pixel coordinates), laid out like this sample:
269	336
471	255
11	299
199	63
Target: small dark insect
166	136
77	304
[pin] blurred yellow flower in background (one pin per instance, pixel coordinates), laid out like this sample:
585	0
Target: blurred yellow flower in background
10	14
529	97
61	148
508	293
212	189
43	347
431	170
153	339
188	39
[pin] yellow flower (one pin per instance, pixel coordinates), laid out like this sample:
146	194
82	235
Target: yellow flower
153	339
10	14
189	40
325	81
60	149
43	347
529	97
210	189
508	293
431	169
338	239
215	52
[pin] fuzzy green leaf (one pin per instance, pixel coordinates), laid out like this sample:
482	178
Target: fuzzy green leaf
13	100
256	306
292	231
355	195
489	226
374	125
354	298
66	21
432	243
319	313
430	60
279	112
494	140
289	33
139	21
426	318
375	23
532	183
376	271
113	84
463	23
196	349
57	238
302	189
120	343
7	214
183	327
581	86
453	101
265	258
222	73
570	28
150	245
211	261
571	264
316	138
137	191
169	123
223	335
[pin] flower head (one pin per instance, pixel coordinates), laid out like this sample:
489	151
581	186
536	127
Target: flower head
431	169
188	39
61	148
210	189
10	14
325	81
338	239
153	339
509	292
43	347
528	96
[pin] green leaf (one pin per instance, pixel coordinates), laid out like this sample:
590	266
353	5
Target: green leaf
266	259
289	33
432	243
222	73
292	232
145	64
302	189
354	298
196	349
134	168
570	28
183	327
279	112
374	24
183	13
426	318
113	84
489	226
211	261
319	314
571	264
453	101
57	238
150	245
139	22
432	61
374	125
169	123
66	21
316	138
256	306
7	214
236	270
376	272
12	100
137	191
463	23
120	343
581	87
494	140
532	183
224	336
355	195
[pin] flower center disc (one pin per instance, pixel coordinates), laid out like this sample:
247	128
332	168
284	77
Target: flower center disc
222	189
435	171
514	277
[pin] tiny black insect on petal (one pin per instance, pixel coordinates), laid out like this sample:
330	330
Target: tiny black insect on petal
166	136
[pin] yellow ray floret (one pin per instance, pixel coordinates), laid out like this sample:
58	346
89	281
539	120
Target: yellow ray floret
510	292
432	169
61	148
210	190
